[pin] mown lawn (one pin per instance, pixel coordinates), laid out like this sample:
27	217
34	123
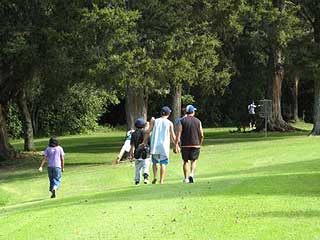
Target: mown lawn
247	187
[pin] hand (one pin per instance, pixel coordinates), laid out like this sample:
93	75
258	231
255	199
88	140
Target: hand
177	149
40	169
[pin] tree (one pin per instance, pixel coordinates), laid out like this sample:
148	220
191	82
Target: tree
309	11
113	54
182	49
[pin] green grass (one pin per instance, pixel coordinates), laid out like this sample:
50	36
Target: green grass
247	187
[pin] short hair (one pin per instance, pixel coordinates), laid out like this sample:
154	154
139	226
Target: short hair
53	142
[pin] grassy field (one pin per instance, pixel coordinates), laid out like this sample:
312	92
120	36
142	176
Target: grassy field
247	187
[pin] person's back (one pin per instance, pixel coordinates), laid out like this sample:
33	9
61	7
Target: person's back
162	131
160	138
54	155
191	134
137	137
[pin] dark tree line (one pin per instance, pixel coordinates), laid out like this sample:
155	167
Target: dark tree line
62	63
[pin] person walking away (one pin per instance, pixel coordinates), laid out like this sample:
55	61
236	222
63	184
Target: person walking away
140	152
161	131
54	154
190	136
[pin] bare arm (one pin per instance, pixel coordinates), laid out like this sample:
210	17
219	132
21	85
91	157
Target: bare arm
179	130
62	163
44	159
148	133
172	134
131	152
201	134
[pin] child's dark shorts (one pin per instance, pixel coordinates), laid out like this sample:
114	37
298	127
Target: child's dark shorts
190	153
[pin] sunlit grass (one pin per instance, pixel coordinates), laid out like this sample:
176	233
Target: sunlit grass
247	187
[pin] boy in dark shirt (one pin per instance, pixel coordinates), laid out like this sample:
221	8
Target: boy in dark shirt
140	152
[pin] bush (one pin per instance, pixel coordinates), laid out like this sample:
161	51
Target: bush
14	124
75	111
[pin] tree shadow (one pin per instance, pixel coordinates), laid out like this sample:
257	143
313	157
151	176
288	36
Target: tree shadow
26	173
295	184
287	168
212	138
288	214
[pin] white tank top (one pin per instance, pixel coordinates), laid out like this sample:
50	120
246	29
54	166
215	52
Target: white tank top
160	138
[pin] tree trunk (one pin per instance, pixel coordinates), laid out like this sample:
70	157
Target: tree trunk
176	102
35	124
136	105
276	122
316	114
26	121
296	79
5	149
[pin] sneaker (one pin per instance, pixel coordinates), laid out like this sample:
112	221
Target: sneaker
186	180
146	178
53	195
137	183
154	181
191	179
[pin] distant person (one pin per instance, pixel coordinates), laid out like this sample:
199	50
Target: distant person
141	153
252	115
54	154
124	152
161	130
190	136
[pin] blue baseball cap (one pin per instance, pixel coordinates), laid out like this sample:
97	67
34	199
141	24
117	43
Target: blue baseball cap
140	123
165	110
190	109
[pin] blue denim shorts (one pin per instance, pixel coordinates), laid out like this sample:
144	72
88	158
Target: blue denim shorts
164	161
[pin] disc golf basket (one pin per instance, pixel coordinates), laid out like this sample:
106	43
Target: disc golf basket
265	112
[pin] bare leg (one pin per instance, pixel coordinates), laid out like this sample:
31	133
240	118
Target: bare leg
193	167
155	173
185	168
162	172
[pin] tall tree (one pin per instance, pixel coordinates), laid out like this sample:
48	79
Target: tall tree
309	11
27	121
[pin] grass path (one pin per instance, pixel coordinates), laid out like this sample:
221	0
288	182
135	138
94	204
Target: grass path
247	187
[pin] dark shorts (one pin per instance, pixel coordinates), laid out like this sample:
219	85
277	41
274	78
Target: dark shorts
190	153
252	118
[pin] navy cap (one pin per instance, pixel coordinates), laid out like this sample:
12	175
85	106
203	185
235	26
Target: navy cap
165	110
190	109
140	123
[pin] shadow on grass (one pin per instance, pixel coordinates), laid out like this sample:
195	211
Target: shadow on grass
291	214
84	144
212	138
302	185
27	173
293	167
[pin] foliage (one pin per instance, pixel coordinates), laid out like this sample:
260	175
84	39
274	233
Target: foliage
13	121
74	111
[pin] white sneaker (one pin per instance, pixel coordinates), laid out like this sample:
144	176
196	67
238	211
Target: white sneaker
186	180
146	181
